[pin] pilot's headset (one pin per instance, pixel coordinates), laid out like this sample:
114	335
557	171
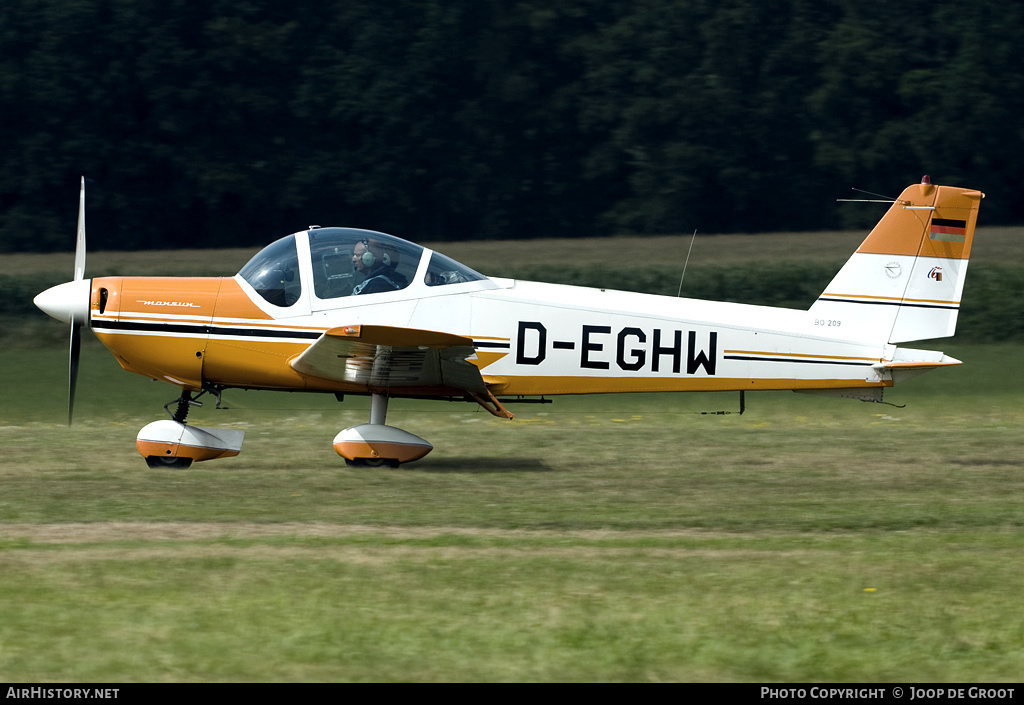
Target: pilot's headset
369	259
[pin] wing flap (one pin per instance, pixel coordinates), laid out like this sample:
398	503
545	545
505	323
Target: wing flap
381	357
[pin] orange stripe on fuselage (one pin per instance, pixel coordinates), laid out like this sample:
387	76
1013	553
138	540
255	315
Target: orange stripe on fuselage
868	298
799	355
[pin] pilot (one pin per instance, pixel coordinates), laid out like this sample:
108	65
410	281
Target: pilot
376	265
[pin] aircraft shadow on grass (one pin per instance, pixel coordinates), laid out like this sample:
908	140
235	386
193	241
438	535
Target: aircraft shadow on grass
483	465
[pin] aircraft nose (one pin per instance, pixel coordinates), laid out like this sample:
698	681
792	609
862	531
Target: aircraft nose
67	302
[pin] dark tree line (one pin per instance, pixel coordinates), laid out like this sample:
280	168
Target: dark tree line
230	123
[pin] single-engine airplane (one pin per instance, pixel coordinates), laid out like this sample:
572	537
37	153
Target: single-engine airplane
347	311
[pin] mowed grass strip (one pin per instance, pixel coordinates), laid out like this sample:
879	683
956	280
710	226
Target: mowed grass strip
912	606
597	538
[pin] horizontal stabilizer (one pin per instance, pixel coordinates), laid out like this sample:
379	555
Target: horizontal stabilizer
908	359
916	365
908	363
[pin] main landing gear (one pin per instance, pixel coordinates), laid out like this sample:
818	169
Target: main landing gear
376	444
174	444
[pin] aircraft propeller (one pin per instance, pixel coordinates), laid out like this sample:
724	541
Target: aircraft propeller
75	346
69	302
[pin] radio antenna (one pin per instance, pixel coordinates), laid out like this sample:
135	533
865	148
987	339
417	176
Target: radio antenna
880	199
692	238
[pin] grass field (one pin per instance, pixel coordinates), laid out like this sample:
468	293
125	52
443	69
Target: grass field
618	538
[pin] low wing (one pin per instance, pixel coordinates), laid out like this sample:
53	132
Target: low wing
386	357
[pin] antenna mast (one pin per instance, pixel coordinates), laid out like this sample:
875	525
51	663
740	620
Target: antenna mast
692	238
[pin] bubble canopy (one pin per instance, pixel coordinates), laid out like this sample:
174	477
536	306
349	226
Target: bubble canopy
347	262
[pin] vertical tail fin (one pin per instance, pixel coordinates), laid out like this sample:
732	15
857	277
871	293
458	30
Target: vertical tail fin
905	280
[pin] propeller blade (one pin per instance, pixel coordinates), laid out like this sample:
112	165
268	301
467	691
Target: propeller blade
80	242
75	350
75	346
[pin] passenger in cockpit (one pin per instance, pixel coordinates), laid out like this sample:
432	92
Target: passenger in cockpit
377	265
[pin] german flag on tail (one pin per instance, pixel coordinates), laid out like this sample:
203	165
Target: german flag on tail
948	230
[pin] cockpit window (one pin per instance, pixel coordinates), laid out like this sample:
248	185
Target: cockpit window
274	272
444	270
349	262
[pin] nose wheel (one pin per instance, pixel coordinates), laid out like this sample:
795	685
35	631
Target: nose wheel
173	444
167	463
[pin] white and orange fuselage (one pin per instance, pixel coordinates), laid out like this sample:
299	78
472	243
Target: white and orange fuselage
545	339
191	331
353	311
